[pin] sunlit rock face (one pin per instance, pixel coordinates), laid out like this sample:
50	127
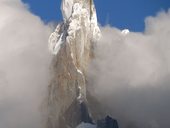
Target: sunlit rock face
72	47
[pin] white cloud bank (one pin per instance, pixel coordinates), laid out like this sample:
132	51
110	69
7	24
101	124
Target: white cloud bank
24	63
131	74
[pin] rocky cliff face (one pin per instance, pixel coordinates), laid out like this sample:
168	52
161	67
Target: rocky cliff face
72	46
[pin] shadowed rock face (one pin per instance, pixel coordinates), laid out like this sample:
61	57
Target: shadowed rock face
108	122
72	47
75	114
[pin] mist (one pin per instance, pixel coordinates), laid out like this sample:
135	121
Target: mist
131	74
24	66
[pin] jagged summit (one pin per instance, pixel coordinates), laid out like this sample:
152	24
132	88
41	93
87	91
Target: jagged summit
72	46
77	15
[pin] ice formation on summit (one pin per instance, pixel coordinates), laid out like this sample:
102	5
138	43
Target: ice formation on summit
66	8
77	15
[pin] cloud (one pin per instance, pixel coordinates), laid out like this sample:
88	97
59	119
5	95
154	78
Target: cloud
130	74
24	63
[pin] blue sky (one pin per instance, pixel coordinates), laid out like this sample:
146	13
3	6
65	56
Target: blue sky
118	13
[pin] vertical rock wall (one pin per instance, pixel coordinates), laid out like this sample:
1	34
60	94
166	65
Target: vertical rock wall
71	44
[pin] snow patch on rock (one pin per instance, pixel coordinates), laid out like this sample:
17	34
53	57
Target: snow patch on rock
86	125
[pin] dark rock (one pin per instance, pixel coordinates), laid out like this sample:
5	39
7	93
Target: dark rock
85	117
108	122
76	114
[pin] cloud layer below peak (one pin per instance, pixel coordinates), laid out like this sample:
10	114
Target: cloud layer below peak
130	74
24	64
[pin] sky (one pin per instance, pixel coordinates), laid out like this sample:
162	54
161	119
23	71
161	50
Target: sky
122	14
